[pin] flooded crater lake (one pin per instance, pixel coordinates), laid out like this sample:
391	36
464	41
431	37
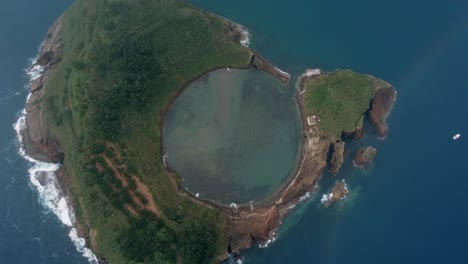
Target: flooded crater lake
233	135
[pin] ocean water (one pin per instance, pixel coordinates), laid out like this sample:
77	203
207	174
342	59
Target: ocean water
30	231
408	207
233	135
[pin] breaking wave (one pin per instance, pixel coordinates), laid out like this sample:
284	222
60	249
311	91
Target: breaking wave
44	181
245	37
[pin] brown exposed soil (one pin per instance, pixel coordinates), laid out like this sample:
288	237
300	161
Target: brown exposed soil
139	194
131	210
143	190
113	167
136	200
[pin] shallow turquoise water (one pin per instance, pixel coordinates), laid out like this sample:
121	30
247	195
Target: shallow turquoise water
233	135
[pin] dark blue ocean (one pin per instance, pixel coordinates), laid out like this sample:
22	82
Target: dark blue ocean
408	207
29	233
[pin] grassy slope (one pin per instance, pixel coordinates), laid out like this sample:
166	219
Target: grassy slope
122	63
340	99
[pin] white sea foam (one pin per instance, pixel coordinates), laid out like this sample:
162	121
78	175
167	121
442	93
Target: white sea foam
35	71
304	197
282	72
245	39
44	181
269	241
326	198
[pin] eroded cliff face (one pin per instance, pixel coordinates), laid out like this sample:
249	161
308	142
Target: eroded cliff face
358	133
380	107
337	157
39	141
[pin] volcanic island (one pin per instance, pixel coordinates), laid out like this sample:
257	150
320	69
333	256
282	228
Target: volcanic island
111	71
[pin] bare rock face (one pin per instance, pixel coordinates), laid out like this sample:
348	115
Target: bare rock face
38	140
381	105
337	158
364	156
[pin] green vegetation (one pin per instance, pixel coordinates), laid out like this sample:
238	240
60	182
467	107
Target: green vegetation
122	63
340	99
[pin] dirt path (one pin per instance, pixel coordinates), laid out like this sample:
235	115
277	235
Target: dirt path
131	210
117	173
143	190
98	167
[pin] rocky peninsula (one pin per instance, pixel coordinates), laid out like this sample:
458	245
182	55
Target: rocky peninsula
104	137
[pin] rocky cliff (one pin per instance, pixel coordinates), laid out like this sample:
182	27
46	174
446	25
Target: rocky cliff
337	157
380	107
39	141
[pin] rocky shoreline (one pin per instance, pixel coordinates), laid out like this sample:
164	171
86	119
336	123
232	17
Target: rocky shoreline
39	142
250	225
258	225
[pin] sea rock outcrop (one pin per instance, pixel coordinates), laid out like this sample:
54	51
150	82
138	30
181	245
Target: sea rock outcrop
338	192
337	157
364	156
39	141
380	107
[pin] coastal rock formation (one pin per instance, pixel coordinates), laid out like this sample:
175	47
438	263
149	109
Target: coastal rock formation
39	141
380	107
358	133
338	192
337	157
364	156
260	63
258	225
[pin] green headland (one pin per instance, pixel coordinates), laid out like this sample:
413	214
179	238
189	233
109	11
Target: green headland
112	69
340	100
